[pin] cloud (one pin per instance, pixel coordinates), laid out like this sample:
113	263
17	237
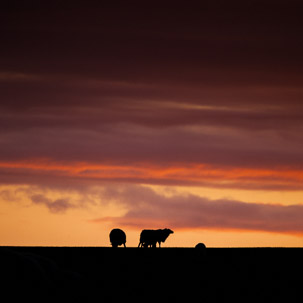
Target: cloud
71	174
148	209
91	103
194	143
17	77
89	119
55	206
166	44
233	103
143	207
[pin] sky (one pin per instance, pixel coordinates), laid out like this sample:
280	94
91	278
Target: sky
139	115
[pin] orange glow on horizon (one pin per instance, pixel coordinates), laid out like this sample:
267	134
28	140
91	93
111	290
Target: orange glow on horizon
25	223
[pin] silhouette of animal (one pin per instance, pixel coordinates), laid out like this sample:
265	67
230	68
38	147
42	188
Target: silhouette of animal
150	237
200	246
200	250
117	237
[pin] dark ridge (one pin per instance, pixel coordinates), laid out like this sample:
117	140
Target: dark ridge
213	274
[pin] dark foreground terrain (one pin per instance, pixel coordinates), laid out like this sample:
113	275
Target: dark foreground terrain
165	274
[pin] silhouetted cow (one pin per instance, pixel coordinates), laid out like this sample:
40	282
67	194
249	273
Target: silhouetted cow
117	237
150	237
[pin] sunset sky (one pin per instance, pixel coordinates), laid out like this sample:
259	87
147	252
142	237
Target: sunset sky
151	115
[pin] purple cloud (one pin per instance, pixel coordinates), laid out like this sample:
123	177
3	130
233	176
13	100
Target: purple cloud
149	209
55	206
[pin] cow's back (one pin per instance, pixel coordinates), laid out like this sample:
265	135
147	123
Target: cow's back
148	236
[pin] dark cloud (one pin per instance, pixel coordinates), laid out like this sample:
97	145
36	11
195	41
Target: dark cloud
134	39
203	45
216	83
128	153
155	107
130	144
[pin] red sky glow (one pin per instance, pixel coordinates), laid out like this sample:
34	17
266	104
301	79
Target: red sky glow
123	114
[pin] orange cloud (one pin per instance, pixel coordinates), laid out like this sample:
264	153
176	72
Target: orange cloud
194	174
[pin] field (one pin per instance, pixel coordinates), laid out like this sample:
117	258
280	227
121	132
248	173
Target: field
110	275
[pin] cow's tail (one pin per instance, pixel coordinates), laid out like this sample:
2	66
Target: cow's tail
140	244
